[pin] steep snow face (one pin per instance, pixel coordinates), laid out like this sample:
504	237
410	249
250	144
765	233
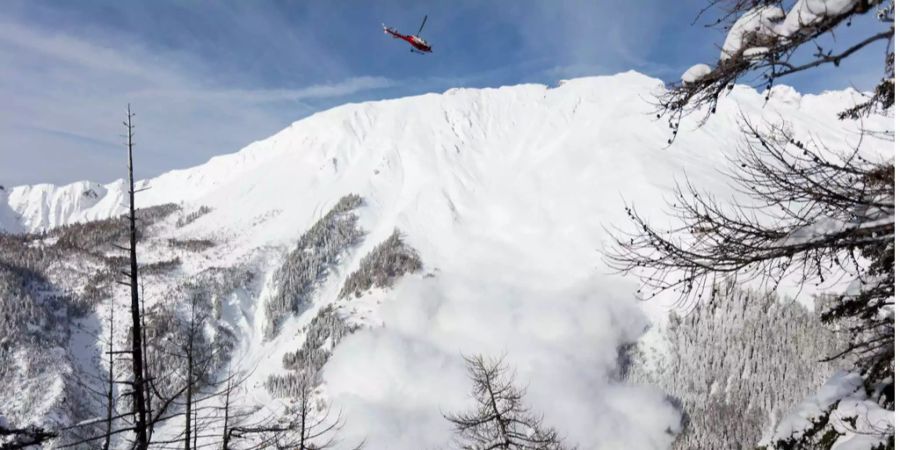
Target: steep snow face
505	194
44	206
591	133
9	219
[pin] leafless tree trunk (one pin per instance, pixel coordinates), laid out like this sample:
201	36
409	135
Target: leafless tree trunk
137	337
196	429
307	426
148	377
226	437
111	378
190	374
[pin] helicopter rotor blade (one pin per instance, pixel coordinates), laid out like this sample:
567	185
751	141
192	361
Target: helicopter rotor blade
423	25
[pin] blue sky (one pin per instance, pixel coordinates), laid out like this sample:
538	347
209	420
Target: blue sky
208	77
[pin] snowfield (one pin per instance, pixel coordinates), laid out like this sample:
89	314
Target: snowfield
506	195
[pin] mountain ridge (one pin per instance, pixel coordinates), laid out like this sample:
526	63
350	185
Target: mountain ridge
42	206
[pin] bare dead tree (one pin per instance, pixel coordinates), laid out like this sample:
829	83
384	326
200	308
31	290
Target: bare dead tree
110	392
241	425
307	424
311	425
191	378
500	420
199	362
138	423
137	338
148	375
795	188
101	386
226	408
250	425
196	433
141	383
183	361
766	55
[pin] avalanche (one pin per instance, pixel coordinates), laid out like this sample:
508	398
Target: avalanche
504	194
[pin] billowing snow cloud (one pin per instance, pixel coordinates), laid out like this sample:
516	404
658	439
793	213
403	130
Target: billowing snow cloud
394	382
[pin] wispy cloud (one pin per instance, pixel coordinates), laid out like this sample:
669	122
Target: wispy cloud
66	96
317	91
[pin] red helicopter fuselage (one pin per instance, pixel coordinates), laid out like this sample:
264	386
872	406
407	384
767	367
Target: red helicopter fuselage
417	42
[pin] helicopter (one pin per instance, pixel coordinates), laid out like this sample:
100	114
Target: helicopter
420	46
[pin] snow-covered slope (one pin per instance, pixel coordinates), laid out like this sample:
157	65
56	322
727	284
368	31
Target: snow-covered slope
599	128
44	206
505	194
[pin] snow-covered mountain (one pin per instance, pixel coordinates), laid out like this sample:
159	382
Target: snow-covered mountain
504	194
461	140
